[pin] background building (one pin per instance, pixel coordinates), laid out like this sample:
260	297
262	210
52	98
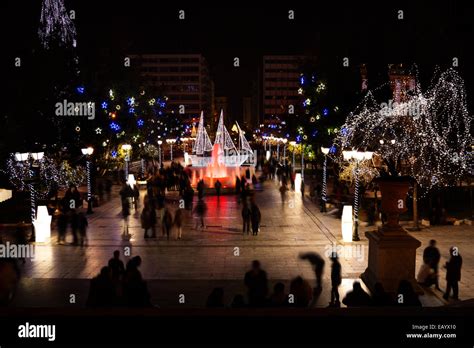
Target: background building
183	78
280	83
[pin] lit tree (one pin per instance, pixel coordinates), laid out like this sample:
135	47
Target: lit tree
319	122
427	136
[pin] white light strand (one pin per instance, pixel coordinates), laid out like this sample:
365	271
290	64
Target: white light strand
427	136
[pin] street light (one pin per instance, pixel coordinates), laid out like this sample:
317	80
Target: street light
88	151
126	148
357	156
159	151
325	151
284	140
171	142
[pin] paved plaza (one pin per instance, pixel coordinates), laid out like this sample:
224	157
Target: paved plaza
219	255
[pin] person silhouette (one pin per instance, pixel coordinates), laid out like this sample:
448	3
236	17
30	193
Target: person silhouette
336	280
453	273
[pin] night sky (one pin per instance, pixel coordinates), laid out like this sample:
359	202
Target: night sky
430	34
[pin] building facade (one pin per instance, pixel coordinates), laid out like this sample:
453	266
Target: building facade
280	84
183	78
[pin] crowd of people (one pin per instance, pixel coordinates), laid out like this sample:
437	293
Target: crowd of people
119	285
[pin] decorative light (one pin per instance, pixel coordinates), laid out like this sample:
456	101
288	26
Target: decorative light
115	126
87	151
55	23
432	126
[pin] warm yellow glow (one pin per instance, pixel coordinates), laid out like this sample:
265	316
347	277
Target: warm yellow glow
346	223
42	225
298	182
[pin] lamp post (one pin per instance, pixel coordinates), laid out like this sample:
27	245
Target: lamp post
302	162
25	157
278	149
171	142
325	152
284	140
159	151
357	156
88	153
126	148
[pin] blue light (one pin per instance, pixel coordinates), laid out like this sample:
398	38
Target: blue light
80	89
344	131
313	78
315	133
325	111
114	154
114	126
287	135
160	113
104	105
298	139
140	122
333	149
130	101
302	80
162	104
131	110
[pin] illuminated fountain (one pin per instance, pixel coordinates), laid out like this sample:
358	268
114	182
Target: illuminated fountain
225	161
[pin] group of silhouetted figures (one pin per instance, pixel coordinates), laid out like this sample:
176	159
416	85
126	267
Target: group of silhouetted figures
117	285
302	295
428	274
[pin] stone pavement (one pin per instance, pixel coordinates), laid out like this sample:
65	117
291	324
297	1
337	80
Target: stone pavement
207	258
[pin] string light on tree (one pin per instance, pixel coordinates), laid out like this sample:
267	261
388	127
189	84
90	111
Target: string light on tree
55	25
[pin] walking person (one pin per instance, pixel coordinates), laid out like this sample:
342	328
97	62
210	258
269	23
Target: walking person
200	211
336	280
283	190
218	186
255	218
125	215
82	227
166	223
200	188
74	225
178	221
431	257
453	273
62	223
148	219
256	282
246	217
